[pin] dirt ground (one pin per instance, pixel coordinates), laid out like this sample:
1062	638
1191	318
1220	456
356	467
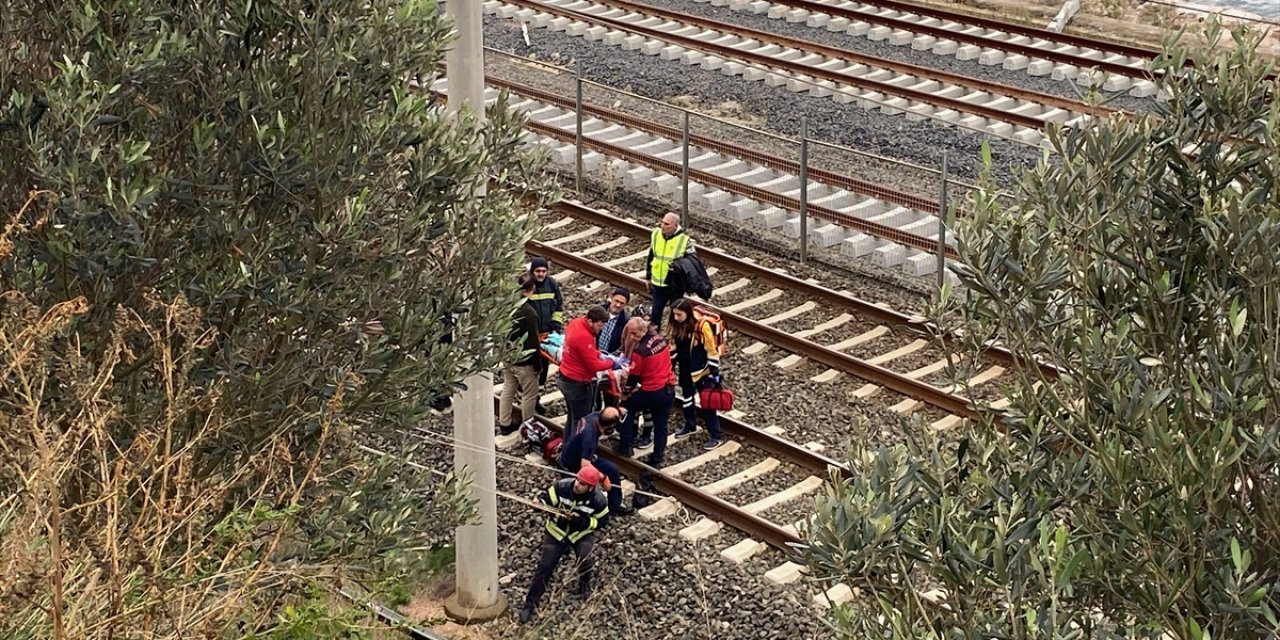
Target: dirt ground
426	610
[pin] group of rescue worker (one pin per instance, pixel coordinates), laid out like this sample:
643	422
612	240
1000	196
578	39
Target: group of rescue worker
612	349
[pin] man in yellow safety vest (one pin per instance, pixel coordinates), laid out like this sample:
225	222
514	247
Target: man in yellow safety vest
666	244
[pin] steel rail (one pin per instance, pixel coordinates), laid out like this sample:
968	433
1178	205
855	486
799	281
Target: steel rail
807	289
848	183
873	61
955	104
982	41
1009	27
791	204
752	525
892	380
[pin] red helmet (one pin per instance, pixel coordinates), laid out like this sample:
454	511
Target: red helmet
589	475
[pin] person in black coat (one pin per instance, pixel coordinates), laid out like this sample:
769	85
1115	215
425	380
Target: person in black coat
548	301
522	375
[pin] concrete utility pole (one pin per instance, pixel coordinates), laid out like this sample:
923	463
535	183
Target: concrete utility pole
477	598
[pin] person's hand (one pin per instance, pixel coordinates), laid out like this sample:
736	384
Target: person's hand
715	379
617	363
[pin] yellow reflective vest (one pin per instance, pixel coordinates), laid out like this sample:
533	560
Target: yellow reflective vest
592	506
662	252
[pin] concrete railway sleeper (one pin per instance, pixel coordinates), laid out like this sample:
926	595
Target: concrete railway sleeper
766	469
858	223
1105	65
856	218
874	374
810	290
803	66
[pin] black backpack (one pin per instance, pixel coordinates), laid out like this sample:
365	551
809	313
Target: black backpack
689	275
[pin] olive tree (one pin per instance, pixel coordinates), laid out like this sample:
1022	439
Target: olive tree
237	241
1130	489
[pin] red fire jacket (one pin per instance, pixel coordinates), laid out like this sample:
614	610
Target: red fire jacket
651	365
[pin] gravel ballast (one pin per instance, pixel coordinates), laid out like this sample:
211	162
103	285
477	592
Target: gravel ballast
780	110
904	53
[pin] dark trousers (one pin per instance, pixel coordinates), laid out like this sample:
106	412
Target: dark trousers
578	397
552	551
692	412
656	405
610	471
661	296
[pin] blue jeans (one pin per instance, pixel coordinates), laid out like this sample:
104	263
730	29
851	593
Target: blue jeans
655	404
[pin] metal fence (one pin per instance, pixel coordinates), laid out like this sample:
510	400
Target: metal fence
798	210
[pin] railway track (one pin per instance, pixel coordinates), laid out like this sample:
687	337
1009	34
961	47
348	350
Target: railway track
589	244
892	87
742	185
1110	66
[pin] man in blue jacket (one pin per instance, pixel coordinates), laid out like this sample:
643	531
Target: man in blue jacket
580	445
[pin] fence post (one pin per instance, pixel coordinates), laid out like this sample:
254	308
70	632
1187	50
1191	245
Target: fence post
684	172
577	137
942	223
804	188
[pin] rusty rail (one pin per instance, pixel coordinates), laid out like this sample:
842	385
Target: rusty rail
752	525
791	204
848	183
839	361
1001	115
989	43
807	289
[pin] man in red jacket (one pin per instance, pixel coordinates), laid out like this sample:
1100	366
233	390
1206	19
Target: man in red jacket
650	387
581	360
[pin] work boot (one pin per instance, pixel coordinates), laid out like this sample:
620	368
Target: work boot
644	442
656	463
507	430
626	453
525	615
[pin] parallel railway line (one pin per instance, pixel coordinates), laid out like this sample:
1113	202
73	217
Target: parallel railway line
748	186
763	454
1113	66
892	87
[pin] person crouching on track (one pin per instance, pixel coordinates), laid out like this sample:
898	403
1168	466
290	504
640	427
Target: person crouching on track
699	366
581	505
580	444
650	387
580	361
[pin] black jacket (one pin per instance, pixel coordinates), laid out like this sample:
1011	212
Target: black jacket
525	330
615	339
549	303
583	512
